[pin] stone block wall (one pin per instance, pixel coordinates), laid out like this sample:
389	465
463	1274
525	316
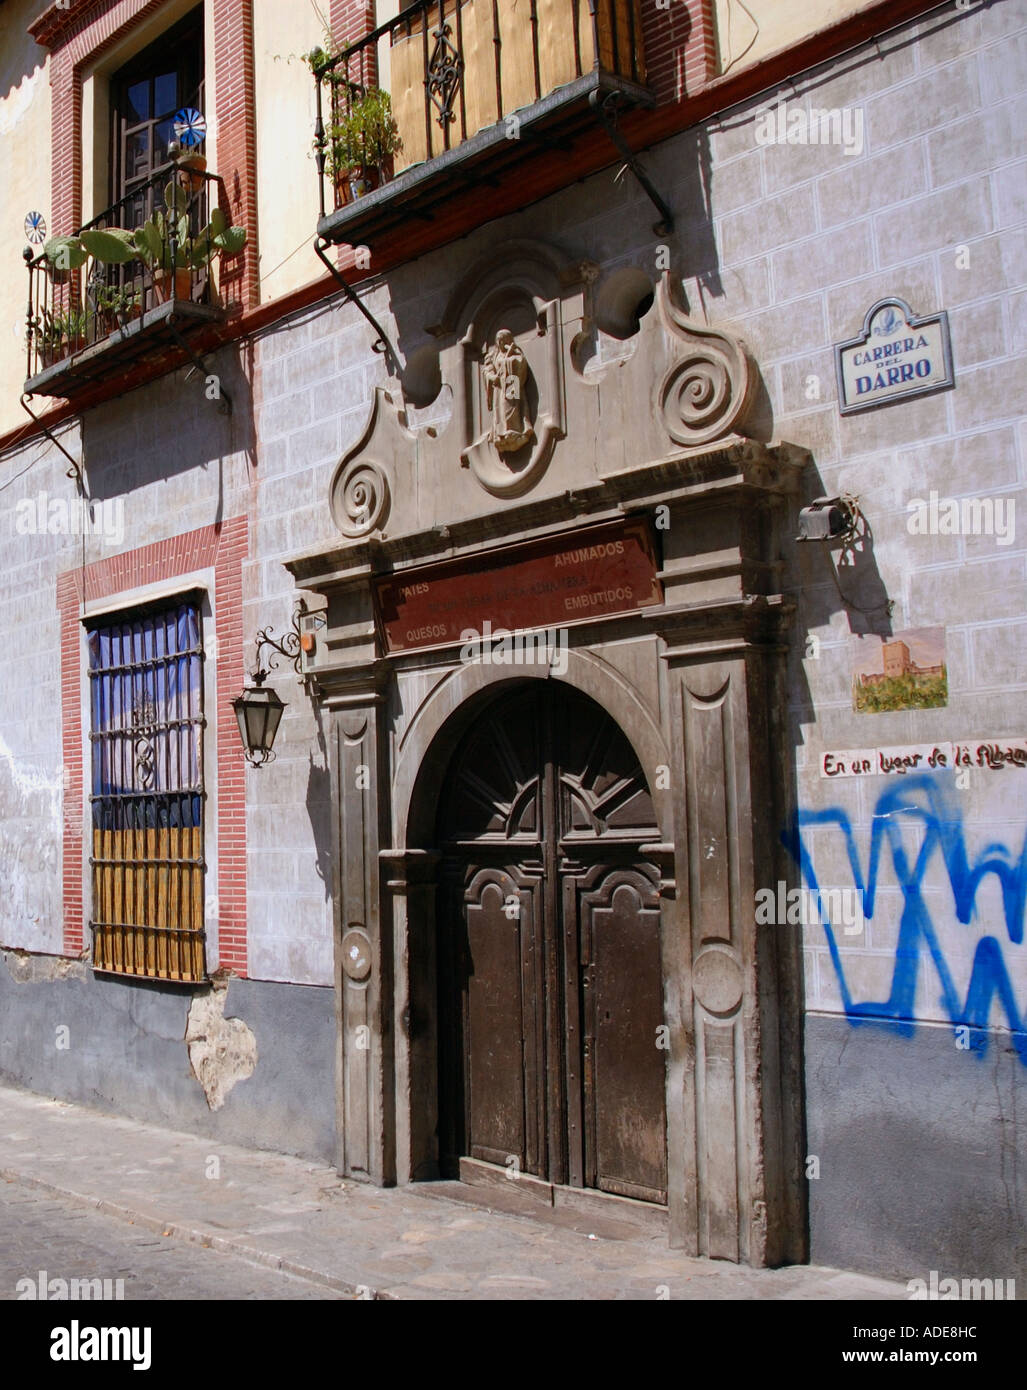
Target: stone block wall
787	245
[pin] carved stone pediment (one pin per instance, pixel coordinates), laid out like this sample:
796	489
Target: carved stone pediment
544	401
503	354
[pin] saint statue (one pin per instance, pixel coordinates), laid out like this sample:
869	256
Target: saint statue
506	371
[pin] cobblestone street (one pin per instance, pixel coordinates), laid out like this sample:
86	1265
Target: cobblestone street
59	1239
176	1216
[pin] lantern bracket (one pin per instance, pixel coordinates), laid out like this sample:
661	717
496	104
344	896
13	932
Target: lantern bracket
288	647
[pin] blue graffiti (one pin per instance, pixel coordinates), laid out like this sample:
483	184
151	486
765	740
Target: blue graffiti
930	799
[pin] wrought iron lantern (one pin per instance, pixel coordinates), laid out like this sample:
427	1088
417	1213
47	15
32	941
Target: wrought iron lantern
259	712
258	709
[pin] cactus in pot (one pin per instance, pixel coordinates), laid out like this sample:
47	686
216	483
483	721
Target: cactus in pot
152	243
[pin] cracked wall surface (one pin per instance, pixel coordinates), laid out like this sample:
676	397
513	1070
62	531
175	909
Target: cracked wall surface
166	1054
25	968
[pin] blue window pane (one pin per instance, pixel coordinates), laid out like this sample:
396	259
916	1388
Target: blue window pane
138	102
165	94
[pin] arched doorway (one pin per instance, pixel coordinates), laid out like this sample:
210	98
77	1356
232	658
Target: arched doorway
551	1041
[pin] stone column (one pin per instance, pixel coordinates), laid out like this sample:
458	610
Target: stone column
741	1078
740	1003
363	940
410	880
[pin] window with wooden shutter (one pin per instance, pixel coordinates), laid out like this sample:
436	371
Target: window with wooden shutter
146	701
146	95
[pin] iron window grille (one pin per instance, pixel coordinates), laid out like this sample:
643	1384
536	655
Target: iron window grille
147	799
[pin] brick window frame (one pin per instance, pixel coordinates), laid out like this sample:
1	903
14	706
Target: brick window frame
221	548
78	35
148	735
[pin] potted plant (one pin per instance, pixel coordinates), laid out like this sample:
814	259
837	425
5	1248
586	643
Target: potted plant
152	244
361	145
190	166
116	305
216	240
61	334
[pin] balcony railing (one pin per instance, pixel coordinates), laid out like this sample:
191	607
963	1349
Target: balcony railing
463	76
90	316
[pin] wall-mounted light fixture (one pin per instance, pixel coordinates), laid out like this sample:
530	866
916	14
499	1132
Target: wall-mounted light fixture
829	519
258	709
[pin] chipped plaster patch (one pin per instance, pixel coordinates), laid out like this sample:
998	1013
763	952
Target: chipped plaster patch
222	1050
28	969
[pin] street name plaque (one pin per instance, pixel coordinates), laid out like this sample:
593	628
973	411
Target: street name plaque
589	573
896	356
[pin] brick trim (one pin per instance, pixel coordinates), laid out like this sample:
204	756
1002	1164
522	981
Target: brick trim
235	108
350	20
223	548
81	36
680	48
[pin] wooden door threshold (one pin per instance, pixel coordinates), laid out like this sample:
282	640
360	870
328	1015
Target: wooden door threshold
581	1209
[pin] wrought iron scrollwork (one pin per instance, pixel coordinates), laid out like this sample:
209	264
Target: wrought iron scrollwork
288	647
445	73
144	726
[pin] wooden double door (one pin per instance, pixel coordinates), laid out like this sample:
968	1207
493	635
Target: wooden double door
551	1040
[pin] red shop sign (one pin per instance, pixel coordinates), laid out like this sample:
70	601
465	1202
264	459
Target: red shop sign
610	568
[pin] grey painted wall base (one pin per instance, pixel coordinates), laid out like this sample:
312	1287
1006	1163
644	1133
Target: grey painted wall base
126	1053
919	1167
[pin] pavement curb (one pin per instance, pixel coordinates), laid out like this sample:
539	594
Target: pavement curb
197	1236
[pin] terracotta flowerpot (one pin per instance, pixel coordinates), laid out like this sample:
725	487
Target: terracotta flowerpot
113	320
165	288
191	169
342	190
363	181
52	352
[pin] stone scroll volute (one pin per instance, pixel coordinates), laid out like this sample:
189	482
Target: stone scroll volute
707	391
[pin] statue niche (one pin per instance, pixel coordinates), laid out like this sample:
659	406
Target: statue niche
505	373
508	387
